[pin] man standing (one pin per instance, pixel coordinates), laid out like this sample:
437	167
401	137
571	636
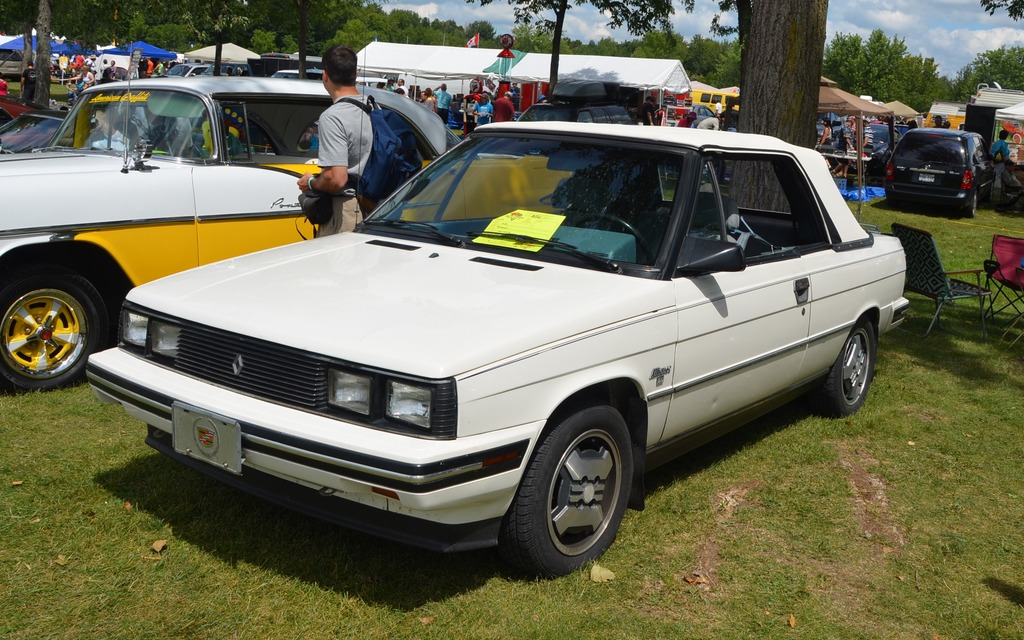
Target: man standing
504	110
444	102
647	111
346	137
28	82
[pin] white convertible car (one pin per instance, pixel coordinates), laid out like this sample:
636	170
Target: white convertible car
143	180
500	352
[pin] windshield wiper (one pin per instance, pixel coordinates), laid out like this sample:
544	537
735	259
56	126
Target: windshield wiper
415	225
604	263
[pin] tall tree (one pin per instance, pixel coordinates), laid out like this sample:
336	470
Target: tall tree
1013	7
638	16
782	43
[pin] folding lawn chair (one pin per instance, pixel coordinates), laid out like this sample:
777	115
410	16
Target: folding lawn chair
1002	275
926	275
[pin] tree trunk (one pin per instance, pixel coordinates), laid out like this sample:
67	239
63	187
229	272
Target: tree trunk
556	44
303	7
781	68
44	23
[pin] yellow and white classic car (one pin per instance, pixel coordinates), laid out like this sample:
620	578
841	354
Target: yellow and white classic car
516	335
143	180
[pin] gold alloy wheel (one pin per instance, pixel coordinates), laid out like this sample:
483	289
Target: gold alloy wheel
44	334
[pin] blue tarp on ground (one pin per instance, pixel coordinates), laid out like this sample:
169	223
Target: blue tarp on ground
866	193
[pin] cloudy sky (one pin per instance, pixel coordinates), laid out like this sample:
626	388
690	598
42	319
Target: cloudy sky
952	32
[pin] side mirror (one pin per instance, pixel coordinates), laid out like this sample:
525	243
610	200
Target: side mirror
708	255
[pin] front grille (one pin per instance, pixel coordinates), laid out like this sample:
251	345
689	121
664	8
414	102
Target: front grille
294	378
253	366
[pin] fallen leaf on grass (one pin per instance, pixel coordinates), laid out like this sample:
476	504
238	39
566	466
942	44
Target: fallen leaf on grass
792	621
127	506
61	560
159	546
600	574
17	483
35	520
427	620
696	578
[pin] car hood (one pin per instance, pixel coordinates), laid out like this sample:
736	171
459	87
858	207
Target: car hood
402	305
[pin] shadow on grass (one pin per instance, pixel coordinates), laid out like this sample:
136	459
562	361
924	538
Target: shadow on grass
238	528
1011	592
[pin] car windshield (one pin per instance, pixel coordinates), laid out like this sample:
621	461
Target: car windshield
27	132
172	123
610	201
934	148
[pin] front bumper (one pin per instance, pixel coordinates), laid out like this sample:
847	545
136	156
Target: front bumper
441	495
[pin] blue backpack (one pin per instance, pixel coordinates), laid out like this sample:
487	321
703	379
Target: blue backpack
394	157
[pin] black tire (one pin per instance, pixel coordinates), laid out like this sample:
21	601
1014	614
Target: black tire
573	494
52	319
846	385
971	206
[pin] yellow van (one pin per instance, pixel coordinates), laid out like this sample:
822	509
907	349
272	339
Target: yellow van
712	98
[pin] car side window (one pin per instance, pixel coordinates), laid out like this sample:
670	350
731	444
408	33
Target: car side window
768	206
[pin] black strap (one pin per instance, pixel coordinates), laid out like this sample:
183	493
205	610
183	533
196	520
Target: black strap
367	106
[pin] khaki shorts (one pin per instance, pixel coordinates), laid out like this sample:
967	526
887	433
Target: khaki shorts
346	215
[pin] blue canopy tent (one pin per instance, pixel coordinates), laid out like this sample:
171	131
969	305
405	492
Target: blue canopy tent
56	48
148	51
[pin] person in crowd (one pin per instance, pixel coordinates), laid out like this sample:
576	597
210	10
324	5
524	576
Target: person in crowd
346	137
158	70
504	109
648	111
825	138
711	123
484	110
1005	180
3	86
843	144
444	102
429	101
390	85
28	82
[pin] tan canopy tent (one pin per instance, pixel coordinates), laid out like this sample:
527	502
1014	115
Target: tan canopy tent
901	110
832	99
229	52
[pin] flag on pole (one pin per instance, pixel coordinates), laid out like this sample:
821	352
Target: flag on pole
474	41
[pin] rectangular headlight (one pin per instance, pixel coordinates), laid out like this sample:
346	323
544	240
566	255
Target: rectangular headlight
165	339
134	327
349	390
409	403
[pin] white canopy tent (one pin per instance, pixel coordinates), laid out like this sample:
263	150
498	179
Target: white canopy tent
462	63
1016	113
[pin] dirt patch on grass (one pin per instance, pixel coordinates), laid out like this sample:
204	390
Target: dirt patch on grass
725	505
871	503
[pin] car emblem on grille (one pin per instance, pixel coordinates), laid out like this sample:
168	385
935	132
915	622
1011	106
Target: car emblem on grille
237	364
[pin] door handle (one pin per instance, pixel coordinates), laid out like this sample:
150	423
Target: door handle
801	288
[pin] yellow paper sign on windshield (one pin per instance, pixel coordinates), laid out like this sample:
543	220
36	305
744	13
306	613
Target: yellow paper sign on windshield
515	229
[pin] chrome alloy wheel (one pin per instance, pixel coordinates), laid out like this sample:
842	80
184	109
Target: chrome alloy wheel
855	363
44	333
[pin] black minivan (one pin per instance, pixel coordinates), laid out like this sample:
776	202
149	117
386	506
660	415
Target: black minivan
940	166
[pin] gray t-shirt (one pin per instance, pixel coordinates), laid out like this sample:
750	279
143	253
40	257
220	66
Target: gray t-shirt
346	137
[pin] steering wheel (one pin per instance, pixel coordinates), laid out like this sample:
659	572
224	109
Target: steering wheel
643	248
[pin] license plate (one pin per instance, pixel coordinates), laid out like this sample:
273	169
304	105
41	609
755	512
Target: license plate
926	177
204	436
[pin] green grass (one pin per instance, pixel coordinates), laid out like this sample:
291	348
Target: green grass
903	521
